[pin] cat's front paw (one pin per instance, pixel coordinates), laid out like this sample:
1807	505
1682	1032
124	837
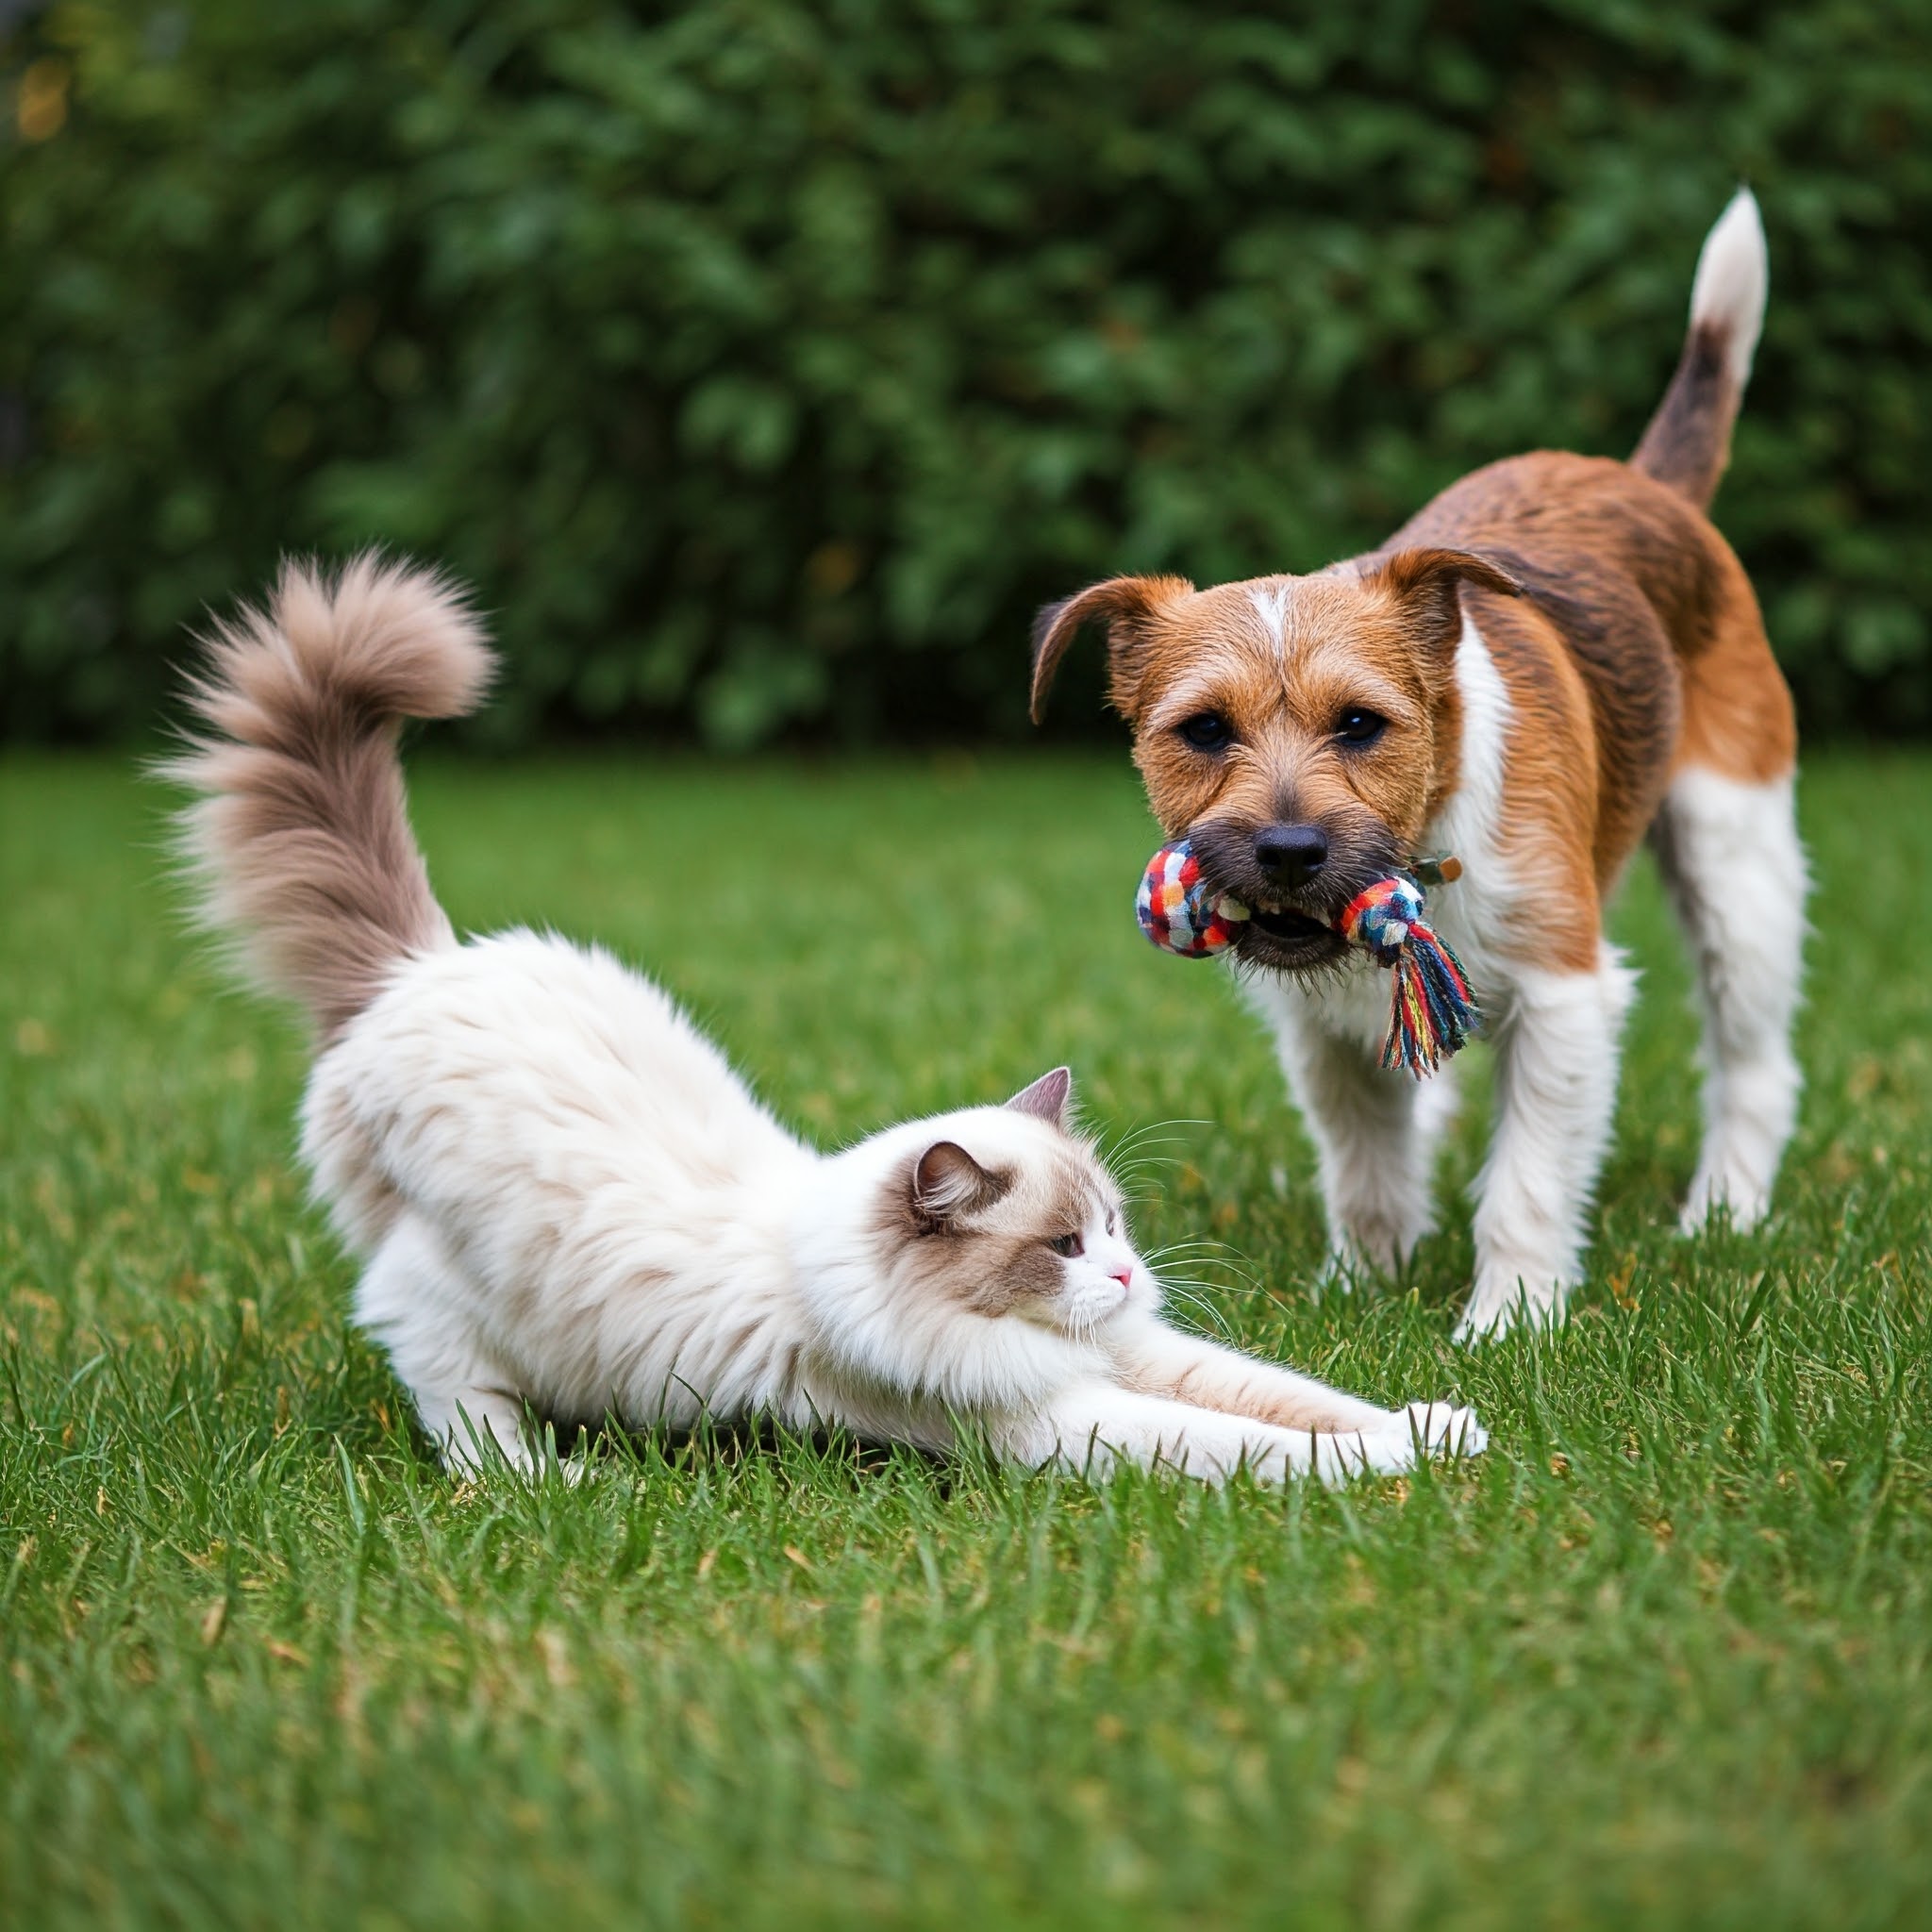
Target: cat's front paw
1410	1436
1440	1429
1346	1454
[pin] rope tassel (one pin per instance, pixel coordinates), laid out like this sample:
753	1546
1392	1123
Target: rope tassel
1432	1011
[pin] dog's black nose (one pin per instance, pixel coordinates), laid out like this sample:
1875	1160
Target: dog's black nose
1292	855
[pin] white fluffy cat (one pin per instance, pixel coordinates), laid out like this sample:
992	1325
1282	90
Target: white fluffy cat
569	1206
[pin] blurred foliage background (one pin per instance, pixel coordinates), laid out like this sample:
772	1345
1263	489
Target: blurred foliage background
765	364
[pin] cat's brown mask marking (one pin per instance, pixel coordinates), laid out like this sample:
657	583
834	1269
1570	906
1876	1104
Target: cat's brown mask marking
991	1250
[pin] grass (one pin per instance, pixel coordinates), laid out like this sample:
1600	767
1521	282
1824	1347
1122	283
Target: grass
1663	1657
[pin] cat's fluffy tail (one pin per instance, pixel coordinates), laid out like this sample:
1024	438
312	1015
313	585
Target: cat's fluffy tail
302	843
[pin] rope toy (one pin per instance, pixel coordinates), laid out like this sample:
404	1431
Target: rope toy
1432	1010
1176	910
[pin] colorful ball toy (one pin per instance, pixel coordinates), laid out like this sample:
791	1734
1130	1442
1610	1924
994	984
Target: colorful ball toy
1432	1012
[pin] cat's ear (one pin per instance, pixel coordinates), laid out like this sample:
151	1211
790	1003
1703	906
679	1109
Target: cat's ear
948	1182
1046	1099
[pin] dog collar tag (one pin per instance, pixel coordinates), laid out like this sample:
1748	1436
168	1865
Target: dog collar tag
1442	871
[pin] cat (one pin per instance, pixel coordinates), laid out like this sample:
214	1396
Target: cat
567	1205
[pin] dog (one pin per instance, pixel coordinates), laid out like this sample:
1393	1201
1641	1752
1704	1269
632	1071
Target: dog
1557	656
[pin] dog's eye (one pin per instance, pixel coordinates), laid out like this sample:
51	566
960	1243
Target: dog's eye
1067	1244
1359	725
1207	731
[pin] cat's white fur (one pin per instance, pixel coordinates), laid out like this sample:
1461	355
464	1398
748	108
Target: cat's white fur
568	1205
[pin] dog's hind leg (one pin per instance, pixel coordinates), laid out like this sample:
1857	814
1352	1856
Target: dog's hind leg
1736	873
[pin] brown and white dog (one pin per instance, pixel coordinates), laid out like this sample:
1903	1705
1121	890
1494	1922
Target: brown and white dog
1556	655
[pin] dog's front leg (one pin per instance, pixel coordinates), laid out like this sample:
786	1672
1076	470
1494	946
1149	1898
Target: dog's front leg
1555	1096
1375	1133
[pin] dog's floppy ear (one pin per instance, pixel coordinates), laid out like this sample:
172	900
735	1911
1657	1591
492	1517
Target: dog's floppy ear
1125	603
1424	582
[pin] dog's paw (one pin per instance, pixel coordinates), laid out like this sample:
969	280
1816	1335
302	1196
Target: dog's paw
1341	1273
1374	1248
1484	1324
1500	1303
1716	1196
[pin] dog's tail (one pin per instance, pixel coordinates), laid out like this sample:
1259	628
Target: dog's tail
1689	441
301	842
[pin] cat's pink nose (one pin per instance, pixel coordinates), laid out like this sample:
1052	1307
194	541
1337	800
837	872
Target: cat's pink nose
1124	1276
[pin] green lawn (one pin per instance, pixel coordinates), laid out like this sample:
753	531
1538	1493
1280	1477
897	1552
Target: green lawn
1664	1656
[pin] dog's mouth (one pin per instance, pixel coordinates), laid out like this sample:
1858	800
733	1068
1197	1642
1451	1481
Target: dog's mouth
1286	939
1285	924
1277	928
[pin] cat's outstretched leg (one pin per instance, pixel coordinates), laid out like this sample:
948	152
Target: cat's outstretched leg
412	1300
1094	1425
1156	1360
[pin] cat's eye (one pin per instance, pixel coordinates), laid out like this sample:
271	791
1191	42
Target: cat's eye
1207	731
1109	1221
1359	725
1068	1246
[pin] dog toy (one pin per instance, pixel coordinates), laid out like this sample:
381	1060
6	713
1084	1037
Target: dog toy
1432	1010
1178	911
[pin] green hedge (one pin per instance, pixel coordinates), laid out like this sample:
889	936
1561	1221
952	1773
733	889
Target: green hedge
764	364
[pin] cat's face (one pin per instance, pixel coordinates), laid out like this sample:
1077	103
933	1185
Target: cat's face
1007	1213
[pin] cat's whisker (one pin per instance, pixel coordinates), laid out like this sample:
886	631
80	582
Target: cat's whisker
1138	1173
1134	1135
1187	1255
1150	1138
1223	1254
1245	1286
1209	1313
1190	1281
1135	1149
1132	1157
